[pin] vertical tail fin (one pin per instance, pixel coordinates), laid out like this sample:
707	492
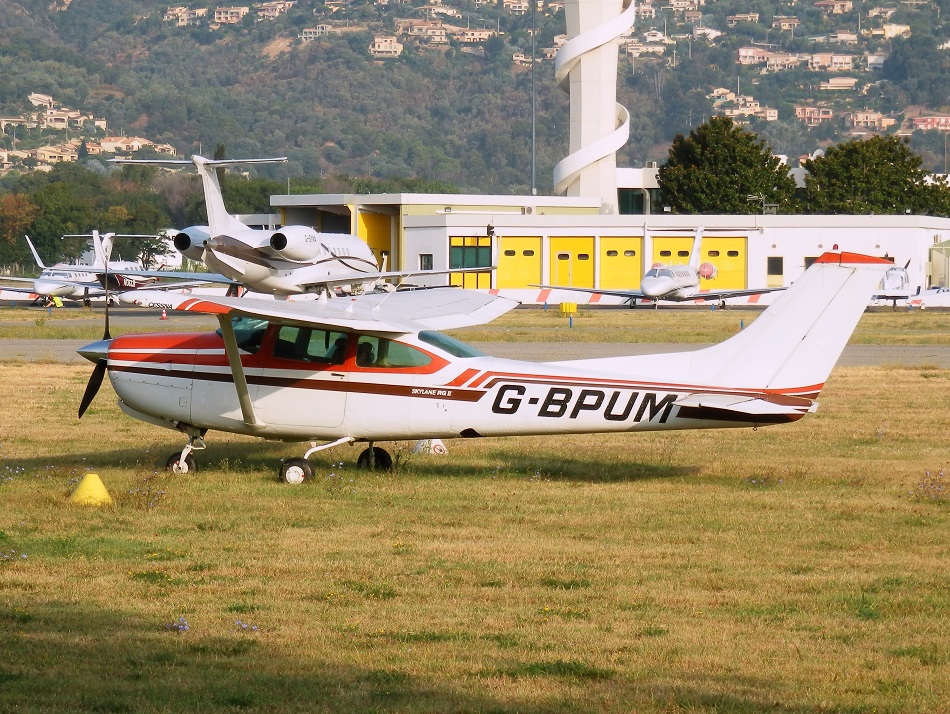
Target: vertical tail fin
695	257
219	220
796	342
790	348
36	256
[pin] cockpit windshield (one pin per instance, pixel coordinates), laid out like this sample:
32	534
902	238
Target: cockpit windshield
454	347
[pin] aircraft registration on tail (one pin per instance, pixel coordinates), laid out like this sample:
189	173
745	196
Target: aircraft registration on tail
374	367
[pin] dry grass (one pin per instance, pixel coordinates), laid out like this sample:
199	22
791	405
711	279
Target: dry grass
796	569
882	326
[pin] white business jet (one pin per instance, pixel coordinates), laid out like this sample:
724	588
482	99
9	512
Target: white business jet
373	368
83	282
291	260
677	283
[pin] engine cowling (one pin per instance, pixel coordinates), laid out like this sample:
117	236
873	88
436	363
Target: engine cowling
296	243
190	242
708	271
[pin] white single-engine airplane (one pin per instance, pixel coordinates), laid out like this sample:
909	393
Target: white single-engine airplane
291	260
677	283
371	368
896	285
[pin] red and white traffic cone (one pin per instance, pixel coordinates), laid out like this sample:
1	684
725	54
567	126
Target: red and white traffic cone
164	315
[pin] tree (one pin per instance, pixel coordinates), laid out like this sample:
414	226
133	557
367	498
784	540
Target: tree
719	168
878	176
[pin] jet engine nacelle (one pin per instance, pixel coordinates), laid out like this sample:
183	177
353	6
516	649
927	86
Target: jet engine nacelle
296	243
707	271
191	241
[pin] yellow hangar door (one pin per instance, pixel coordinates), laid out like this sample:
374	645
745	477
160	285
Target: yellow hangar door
672	250
572	262
731	258
519	262
376	230
621	262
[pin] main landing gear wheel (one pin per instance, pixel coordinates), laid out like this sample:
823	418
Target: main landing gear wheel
383	461
177	466
295	471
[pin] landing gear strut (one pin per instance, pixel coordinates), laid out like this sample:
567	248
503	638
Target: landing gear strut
182	462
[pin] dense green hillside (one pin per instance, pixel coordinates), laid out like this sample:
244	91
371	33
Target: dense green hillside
440	114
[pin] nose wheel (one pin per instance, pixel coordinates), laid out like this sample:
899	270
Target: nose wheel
178	465
295	471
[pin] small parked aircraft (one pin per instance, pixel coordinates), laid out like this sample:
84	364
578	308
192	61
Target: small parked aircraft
372	368
83	282
291	260
678	283
896	285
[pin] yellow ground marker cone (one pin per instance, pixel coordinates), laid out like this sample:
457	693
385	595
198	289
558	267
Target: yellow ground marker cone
91	492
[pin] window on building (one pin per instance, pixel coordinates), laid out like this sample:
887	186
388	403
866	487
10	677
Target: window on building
528	253
583	256
732	253
630	254
471	252
510	254
563	256
809	261
683	253
665	253
713	254
612	254
775	265
425	261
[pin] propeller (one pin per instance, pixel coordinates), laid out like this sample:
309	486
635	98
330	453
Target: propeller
97	352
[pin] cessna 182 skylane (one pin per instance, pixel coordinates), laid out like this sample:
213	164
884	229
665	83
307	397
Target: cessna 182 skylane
677	283
372	368
291	260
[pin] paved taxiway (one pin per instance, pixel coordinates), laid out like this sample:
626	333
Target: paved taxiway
64	351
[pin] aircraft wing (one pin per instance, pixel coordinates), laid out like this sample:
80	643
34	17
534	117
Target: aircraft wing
196	278
394	313
629	294
349	278
706	295
724	294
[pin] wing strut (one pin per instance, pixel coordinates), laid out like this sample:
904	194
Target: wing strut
237	371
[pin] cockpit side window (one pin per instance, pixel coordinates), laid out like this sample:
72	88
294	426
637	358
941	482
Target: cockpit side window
380	352
249	332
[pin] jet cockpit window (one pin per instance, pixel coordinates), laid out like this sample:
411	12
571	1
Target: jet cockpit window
454	347
380	352
311	345
666	273
248	331
652	273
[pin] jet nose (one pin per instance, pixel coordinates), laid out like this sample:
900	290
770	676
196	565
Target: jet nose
656	287
47	287
95	351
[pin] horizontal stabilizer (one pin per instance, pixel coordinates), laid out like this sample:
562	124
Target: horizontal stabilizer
758	405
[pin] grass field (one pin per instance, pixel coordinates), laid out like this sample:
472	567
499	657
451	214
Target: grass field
799	568
882	326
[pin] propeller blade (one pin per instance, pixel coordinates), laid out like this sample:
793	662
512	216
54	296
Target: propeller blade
92	386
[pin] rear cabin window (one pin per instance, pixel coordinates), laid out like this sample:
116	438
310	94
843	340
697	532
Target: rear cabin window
306	344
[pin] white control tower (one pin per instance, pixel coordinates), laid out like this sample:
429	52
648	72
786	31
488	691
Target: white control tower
586	68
